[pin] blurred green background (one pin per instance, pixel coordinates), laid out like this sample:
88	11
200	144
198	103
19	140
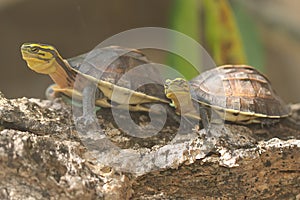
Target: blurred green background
269	31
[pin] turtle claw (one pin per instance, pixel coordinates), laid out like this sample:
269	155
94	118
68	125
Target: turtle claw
87	123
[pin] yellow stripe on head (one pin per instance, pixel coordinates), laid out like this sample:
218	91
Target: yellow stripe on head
40	57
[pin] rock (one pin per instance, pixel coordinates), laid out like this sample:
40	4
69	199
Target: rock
43	156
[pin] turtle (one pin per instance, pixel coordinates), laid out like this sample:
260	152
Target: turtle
101	68
237	93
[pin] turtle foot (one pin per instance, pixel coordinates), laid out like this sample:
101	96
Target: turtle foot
87	123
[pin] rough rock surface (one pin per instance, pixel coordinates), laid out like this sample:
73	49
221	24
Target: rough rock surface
43	156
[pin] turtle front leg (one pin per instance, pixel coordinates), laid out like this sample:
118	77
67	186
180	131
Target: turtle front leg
205	120
88	100
212	122
51	92
88	117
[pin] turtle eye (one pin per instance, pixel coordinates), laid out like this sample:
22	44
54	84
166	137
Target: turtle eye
34	49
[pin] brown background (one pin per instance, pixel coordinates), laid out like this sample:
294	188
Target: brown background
76	26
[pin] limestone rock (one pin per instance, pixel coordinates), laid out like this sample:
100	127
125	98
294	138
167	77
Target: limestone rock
43	156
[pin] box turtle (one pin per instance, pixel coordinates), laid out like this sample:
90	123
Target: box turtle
101	67
237	93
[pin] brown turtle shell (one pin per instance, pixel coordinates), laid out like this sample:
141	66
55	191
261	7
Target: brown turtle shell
239	91
111	63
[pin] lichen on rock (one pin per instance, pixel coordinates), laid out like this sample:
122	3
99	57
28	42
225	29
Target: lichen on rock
44	157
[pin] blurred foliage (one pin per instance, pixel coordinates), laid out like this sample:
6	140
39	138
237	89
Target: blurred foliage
228	36
249	35
221	33
185	19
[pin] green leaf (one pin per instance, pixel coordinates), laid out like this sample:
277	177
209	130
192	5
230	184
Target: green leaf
221	34
250	37
185	19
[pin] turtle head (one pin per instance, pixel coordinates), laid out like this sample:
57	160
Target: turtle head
40	57
178	91
177	86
